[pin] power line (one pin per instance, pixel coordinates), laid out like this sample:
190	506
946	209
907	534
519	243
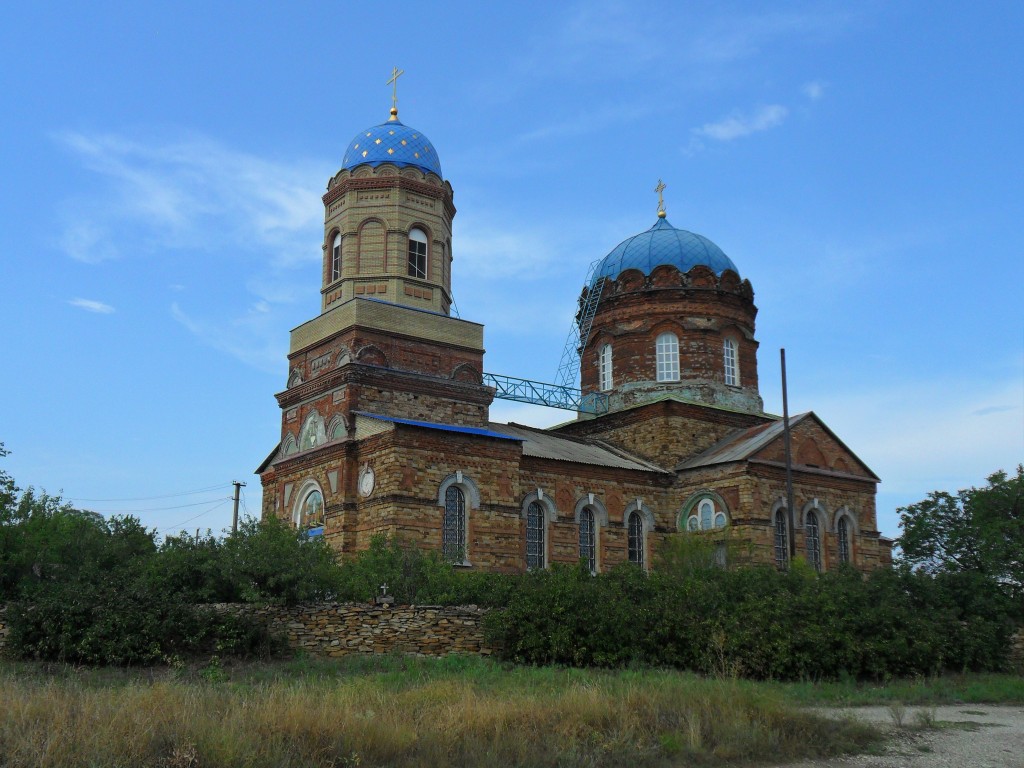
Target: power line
153	509
166	496
201	514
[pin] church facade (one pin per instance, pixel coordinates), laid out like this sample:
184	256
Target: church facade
385	426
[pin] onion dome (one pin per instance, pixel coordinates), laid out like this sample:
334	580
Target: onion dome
663	244
392	142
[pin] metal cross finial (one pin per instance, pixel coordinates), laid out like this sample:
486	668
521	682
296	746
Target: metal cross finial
661	201
393	82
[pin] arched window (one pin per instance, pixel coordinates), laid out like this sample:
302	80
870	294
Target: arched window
453	533
813	537
336	258
730	363
417	253
781	540
309	512
636	538
666	349
604	365
534	536
588	539
843	539
704	516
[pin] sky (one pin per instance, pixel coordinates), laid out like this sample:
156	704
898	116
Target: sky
161	222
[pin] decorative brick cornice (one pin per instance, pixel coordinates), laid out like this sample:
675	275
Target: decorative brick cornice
391	182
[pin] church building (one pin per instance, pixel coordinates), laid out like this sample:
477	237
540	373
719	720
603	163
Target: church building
384	418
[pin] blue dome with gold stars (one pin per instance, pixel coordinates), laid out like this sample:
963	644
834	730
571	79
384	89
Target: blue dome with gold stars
392	142
663	244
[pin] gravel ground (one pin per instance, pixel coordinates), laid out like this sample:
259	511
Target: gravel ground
965	736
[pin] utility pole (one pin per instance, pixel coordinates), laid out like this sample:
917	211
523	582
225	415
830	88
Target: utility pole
789	462
234	515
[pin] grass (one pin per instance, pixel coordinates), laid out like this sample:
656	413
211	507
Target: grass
982	688
384	711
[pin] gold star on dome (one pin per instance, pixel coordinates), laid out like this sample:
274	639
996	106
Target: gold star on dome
355	146
391	151
377	141
364	153
403	142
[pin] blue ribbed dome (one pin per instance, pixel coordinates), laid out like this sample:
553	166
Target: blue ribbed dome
392	142
663	244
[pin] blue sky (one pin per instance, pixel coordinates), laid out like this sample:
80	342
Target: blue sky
160	215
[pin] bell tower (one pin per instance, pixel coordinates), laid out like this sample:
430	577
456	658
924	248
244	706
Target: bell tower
388	222
384	346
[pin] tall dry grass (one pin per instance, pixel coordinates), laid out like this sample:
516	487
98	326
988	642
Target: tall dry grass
514	718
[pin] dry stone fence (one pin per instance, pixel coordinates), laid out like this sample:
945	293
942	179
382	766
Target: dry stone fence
337	629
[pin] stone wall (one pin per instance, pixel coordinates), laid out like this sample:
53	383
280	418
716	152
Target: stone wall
1017	651
338	629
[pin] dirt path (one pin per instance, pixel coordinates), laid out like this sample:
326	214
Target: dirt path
966	736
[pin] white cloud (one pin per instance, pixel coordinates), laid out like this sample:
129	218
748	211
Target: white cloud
814	90
923	436
191	192
184	199
89	305
256	338
736	126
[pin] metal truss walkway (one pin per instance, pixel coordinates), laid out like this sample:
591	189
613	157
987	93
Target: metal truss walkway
552	395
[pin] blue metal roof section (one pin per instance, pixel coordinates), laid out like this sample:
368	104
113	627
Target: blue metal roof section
392	142
663	244
479	431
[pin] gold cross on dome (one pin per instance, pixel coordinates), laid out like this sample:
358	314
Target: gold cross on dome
393	82
661	201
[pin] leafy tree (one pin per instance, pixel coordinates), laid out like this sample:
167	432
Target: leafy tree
979	530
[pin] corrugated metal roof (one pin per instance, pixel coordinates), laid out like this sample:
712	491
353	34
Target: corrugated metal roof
443	427
742	444
545	445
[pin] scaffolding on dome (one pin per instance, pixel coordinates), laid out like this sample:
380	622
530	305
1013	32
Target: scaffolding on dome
551	395
579	331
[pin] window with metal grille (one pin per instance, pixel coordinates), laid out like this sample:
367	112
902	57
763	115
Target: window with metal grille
781	540
417	253
534	536
732	371
454	528
605	368
666	349
336	258
813	541
588	539
843	536
636	539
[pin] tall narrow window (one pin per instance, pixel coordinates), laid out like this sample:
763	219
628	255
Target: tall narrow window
781	540
843	536
732	370
666	349
813	541
605	368
417	253
336	258
534	536
707	512
453	533
636	539
588	539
